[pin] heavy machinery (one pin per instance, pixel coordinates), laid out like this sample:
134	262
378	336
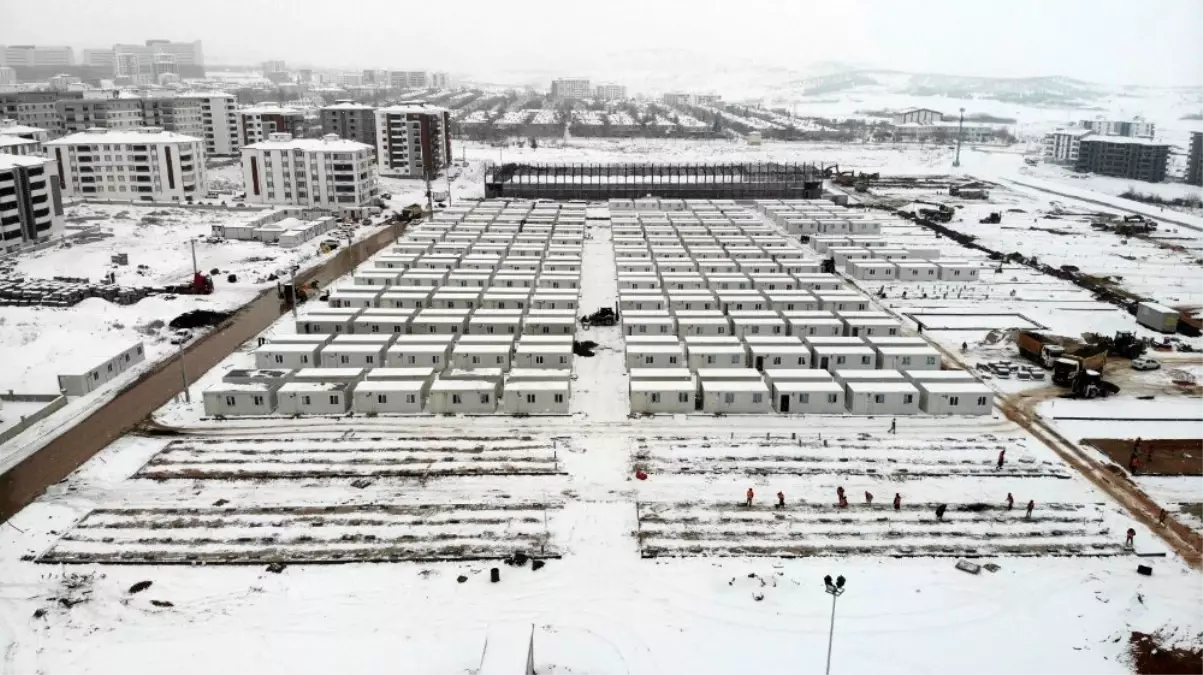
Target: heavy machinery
968	191
1123	344
202	284
410	213
1067	364
291	295
941	214
994	218
1084	383
605	316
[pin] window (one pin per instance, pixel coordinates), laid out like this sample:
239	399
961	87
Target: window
864	360
672	360
954	400
833	398
539	360
906	360
381	398
757	398
558	398
728	398
981	400
230	401
410	398
776	360
334	399
257	400
839	360
683	397
803	398
879	398
305	400
413	360
530	398
910	398
455	398
655	397
484	398
648	360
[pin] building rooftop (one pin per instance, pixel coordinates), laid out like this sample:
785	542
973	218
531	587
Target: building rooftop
12	161
270	109
390	385
415	107
961	387
724	384
328	143
348	105
133	136
1125	140
537	385
663	385
808	386
11	127
881	388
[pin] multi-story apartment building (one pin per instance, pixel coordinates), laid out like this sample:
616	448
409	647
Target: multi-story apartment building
8	76
258	122
577	87
440	81
273	66
326	172
18	139
33	56
110	113
1062	146
610	92
1123	157
187	58
412	140
31	206
179	114
15	128
1117	128
1194	159
352	121
219	122
707	99
99	58
146	164
64	81
35	109
407	79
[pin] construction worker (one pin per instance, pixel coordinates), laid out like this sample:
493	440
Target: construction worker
750	495
839	492
897	501
868	497
894	425
1134	465
1010	501
1161	517
1031	505
780	499
940	512
1131	540
1002	457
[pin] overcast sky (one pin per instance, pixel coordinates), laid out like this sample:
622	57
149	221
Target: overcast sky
1153	42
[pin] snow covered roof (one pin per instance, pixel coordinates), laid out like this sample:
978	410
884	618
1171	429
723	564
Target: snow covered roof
407	108
328	143
313	386
348	105
663	385
724	384
960	387
143	135
11	161
881	388
1073	132
1125	140
808	385
11	127
390	385
269	109
537	385
463	385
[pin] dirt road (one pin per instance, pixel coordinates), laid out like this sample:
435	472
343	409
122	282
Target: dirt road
25	481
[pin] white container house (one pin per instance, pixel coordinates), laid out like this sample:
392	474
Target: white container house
806	327
445	324
955	398
389	396
856	327
412	355
462	397
375	276
537	374
958	271
394	374
475	356
833	358
661	374
235	400
326	321
846	376
336	355
939	376
793	301
772	375
346	299
743	326
842	303
313	398
534	397
536	355
412	299
654	356
908	358
660	324
895	341
548	325
766	356
735	396
916	270
499	325
676	396
505	299
882	398
381	324
808	397
871	270
347	376
716	356
290	356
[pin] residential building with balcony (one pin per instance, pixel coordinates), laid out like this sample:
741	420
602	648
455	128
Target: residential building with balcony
1133	129
219	122
110	113
257	123
1062	146
35	109
179	114
412	140
31	56
31	206
327	172
1194	159
577	87
1124	157
143	164
11	129
352	121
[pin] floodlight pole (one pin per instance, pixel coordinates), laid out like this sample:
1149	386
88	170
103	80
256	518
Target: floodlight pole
960	128
835	592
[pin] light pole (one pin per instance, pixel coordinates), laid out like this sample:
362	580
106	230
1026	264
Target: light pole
960	127
835	590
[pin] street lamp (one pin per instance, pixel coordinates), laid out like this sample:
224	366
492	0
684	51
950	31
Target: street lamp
960	128
835	590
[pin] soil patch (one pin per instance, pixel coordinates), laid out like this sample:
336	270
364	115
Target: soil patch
1158	456
1150	656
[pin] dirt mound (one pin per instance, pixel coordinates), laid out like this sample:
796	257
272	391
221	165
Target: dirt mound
583	348
1150	656
1158	456
198	318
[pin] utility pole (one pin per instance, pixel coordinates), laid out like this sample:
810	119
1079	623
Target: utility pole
295	294
194	267
179	356
835	590
960	127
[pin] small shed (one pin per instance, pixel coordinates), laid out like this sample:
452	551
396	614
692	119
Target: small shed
955	398
735	396
474	356
411	355
654	356
650	396
536	397
908	358
313	398
389	396
882	398
462	396
235	400
291	356
808	397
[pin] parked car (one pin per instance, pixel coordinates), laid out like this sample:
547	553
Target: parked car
180	336
1145	363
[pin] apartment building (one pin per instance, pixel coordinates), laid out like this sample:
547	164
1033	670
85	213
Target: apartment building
99	58
1137	129
326	172
407	79
179	114
1123	157
440	81
31	206
146	164
219	122
257	123
610	92
679	98
35	109
412	140
274	66
577	87
186	58
33	55
1194	159
8	76
350	120
1062	146
110	113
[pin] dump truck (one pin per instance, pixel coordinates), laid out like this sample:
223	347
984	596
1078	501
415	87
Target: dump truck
1067	365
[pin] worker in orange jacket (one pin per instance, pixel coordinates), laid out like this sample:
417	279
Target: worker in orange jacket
750	495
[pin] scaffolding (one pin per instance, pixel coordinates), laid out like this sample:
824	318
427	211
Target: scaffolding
762	180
